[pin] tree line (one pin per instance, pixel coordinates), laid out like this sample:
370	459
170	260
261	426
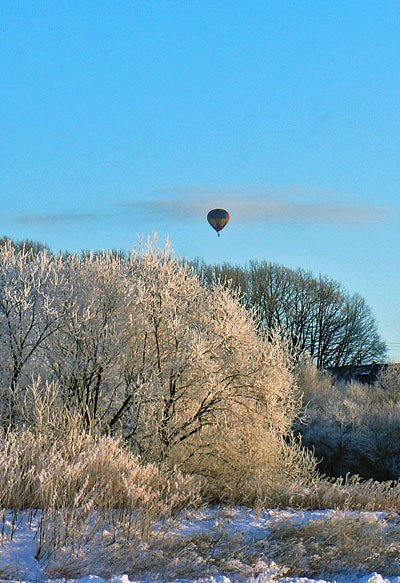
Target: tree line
316	314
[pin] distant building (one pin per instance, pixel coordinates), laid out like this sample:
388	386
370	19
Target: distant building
362	373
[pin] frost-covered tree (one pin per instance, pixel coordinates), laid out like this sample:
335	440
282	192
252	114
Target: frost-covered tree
27	245
89	354
29	315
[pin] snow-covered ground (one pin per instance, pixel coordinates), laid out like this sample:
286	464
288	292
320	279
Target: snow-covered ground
200	536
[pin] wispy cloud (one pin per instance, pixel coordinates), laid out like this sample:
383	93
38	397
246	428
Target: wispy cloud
257	204
246	205
49	219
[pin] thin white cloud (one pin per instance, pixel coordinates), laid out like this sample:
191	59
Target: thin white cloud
246	205
257	204
48	219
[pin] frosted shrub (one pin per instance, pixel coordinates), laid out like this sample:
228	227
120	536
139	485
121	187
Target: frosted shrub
389	380
352	428
213	396
137	348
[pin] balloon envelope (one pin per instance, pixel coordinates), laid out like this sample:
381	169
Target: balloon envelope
218	218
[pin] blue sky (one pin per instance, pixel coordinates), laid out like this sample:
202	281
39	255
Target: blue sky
124	118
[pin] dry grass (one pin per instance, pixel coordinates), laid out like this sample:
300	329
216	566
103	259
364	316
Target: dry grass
8	572
339	544
82	470
350	493
82	483
173	553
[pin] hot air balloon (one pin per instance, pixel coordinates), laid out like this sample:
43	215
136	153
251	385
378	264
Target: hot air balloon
218	218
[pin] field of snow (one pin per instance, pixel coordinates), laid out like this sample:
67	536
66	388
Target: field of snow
218	545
